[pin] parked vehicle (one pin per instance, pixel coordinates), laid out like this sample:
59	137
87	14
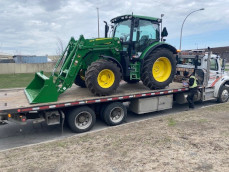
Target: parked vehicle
80	108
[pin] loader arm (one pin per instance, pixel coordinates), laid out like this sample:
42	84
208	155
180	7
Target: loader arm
43	89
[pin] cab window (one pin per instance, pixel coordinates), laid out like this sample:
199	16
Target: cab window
122	30
213	64
145	34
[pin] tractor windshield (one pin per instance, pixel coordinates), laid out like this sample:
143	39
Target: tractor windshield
122	30
145	34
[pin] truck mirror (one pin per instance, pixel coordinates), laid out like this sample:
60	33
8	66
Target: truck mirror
223	64
106	29
164	32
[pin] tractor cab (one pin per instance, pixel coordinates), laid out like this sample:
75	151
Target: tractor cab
136	33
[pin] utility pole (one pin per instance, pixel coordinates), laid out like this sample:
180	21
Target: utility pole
98	19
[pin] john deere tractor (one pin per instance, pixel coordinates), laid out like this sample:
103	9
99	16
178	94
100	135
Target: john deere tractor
136	51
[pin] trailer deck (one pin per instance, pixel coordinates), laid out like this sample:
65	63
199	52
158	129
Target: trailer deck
15	101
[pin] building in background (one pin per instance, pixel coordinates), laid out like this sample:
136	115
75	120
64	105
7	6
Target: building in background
6	58
223	52
30	59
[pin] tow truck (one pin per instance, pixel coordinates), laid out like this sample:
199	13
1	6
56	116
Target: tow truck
80	109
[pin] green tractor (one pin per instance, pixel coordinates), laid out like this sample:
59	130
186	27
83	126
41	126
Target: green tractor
136	51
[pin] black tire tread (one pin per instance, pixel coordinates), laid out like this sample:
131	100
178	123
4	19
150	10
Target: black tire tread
79	82
71	118
146	71
106	110
219	100
92	72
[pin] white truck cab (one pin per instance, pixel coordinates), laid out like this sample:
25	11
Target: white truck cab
209	68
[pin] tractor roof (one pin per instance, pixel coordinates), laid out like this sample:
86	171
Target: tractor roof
129	16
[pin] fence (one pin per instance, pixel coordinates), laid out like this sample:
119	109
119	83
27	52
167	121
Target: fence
11	68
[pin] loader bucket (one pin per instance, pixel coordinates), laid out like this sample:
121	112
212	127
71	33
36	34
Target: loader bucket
41	89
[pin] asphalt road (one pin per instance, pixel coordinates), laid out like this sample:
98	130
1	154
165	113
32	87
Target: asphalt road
14	135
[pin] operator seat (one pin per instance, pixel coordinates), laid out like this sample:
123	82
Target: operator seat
143	42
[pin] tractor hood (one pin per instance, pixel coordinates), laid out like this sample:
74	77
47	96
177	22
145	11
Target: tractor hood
104	41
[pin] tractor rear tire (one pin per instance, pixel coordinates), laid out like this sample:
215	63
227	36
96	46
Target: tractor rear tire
158	69
79	81
102	77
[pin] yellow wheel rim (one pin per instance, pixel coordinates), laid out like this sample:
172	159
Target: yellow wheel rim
106	78
82	75
162	69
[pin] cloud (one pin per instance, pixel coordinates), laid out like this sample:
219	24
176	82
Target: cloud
32	27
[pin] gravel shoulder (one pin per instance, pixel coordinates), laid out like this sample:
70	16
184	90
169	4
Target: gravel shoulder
189	141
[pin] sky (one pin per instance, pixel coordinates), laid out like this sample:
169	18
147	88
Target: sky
34	27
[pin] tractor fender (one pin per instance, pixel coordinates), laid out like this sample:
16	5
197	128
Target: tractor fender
155	46
113	60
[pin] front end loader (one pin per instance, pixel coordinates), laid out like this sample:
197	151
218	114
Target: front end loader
136	51
68	69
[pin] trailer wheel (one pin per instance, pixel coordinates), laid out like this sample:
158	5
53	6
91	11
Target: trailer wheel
80	79
223	94
158	69
103	77
114	113
81	119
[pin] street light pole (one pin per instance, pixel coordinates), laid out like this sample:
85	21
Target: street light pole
184	22
98	19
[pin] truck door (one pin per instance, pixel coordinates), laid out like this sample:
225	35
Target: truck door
215	73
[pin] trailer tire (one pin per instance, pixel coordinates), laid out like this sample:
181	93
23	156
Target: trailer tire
223	94
81	119
114	114
103	77
158	69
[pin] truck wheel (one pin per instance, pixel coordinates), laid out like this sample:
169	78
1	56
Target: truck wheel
158	69
81	119
223	95
103	77
114	113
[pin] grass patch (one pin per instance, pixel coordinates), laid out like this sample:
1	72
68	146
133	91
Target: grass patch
171	122
16	80
203	120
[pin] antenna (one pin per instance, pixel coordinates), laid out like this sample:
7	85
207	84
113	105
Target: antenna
162	15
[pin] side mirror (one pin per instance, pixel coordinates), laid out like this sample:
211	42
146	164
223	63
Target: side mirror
136	22
106	29
223	64
164	32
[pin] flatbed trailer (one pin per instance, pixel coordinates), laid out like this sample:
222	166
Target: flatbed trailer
14	105
80	108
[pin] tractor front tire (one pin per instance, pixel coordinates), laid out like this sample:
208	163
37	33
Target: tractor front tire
158	69
102	77
80	80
